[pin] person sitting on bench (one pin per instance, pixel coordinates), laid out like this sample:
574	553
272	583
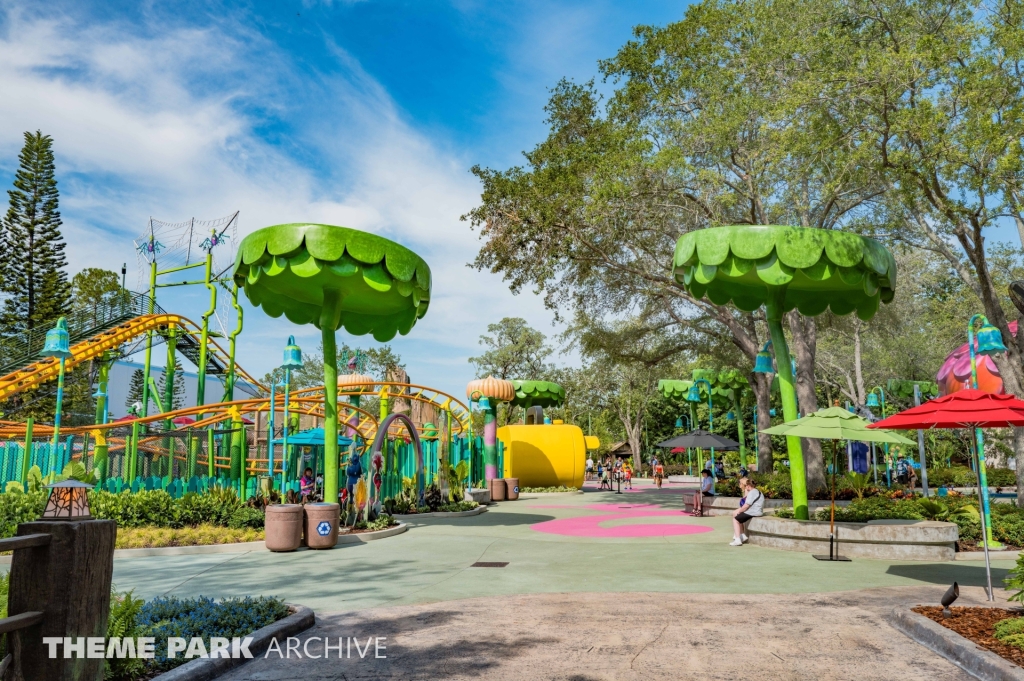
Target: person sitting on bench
706	483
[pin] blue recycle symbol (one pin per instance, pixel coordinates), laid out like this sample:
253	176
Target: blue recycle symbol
324	528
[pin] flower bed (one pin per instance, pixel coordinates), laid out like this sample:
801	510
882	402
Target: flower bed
561	489
201	535
162	618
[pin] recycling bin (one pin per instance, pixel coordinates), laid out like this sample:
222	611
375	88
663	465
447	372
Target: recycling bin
322	521
511	488
497	488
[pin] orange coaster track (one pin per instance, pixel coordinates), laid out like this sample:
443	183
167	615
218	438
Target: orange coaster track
47	368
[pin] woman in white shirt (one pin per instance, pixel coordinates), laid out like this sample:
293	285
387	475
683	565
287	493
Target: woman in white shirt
752	507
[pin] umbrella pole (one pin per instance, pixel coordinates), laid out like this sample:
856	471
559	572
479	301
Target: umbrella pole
984	529
832	518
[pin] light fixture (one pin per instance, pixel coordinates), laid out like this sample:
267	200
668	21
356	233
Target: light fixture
679	422
693	394
990	340
292	355
68	500
952	593
730	416
872	400
763	363
57	341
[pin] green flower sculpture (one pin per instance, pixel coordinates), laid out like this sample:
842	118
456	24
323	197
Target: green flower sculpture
333	277
817	269
731	382
677	390
786	268
538	394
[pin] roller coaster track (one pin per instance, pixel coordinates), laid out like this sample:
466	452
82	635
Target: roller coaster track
47	368
400	391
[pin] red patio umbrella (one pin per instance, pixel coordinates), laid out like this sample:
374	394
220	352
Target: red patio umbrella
963	409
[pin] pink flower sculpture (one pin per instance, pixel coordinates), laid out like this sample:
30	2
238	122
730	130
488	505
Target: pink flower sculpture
955	373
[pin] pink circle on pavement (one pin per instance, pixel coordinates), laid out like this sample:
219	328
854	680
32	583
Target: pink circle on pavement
590	526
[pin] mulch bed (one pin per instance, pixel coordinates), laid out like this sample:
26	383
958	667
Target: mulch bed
978	625
976	546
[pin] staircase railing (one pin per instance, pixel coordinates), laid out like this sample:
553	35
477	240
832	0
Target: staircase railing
21	349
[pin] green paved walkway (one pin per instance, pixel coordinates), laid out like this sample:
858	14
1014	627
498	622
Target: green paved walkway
431	563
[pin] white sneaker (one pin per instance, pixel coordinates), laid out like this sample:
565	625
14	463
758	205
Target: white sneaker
736	542
744	538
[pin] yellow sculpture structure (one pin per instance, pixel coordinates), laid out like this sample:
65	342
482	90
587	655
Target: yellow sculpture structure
545	455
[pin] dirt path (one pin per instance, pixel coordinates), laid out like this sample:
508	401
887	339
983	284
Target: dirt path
588	636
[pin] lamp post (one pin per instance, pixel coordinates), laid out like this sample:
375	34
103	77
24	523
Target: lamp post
763	364
57	345
693	396
990	342
292	360
873	401
689	426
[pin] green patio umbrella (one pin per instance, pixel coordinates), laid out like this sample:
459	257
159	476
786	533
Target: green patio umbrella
835	423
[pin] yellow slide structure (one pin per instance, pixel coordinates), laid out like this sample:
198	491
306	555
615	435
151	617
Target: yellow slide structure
46	368
545	455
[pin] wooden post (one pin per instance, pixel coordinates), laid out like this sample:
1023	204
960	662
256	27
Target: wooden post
41	580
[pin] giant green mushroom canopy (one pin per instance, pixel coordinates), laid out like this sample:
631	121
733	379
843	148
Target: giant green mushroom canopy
786	268
333	277
678	389
817	269
538	394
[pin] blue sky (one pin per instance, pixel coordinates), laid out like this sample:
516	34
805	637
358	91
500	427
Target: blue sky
367	114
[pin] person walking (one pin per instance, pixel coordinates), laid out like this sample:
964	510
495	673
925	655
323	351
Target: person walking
751	506
590	467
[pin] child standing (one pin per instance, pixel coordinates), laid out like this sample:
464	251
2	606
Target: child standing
306	485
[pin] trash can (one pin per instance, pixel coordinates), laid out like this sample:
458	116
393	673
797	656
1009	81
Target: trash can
511	488
322	525
497	488
283	527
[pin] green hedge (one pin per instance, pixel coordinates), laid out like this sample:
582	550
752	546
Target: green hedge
142	509
962	476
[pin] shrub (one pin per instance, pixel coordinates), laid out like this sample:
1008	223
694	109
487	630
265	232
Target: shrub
1011	631
201	617
547	490
19	507
214	508
459	506
1015	581
962	476
246	516
874	508
154	507
381	523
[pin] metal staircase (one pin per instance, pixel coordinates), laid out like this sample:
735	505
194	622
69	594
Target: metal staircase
17	352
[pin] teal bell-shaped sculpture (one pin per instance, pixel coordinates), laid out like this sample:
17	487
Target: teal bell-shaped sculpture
730	416
990	340
292	355
872	400
693	395
57	341
763	364
679	423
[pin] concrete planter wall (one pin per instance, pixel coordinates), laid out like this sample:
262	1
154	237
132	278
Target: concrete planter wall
881	539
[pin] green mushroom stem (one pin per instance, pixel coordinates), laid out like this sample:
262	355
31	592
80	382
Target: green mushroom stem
798	474
737	410
328	323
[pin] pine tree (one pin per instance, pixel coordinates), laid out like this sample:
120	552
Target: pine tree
178	392
32	254
135	389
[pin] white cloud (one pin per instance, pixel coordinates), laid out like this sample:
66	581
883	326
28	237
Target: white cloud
173	123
